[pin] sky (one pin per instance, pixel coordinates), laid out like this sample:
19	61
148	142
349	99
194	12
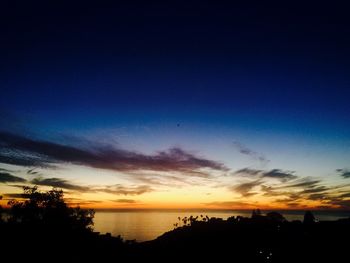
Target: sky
176	104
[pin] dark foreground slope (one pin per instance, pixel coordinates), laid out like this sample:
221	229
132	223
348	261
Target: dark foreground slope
42	228
232	240
259	239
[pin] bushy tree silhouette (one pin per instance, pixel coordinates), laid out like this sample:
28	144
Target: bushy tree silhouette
42	224
309	218
48	209
275	216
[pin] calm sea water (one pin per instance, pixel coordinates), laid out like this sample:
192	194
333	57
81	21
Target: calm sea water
147	225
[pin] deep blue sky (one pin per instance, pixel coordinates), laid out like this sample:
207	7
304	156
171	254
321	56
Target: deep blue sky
186	59
281	67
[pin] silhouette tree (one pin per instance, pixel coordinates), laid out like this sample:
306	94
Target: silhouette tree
275	216
41	225
309	218
49	209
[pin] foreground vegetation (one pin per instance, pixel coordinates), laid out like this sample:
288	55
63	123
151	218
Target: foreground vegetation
42	228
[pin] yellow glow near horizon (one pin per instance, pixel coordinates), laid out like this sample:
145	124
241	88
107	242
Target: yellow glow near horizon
120	191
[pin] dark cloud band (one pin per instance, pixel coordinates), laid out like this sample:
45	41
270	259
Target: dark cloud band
9	178
19	150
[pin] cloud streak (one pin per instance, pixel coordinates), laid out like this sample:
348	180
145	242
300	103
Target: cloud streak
294	194
279	174
79	201
245	188
59	183
32	172
9	178
303	183
125	190
345	173
248	171
230	204
20	150
14	196
125	201
243	149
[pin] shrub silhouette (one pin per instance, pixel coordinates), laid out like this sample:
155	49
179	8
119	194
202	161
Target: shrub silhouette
43	225
275	216
309	218
48	209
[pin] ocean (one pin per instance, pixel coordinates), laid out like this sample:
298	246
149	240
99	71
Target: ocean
143	225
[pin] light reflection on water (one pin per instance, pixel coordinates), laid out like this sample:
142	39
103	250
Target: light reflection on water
147	225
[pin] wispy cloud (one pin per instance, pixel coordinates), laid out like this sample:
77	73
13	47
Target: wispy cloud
292	190
245	188
345	195
316	189
163	179
9	178
243	149
317	196
296	189
59	183
231	204
295	193
126	190
303	183
248	171
343	204
24	151
291	186
125	201
14	196
295	205
78	201
279	174
23	158
32	171
344	172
